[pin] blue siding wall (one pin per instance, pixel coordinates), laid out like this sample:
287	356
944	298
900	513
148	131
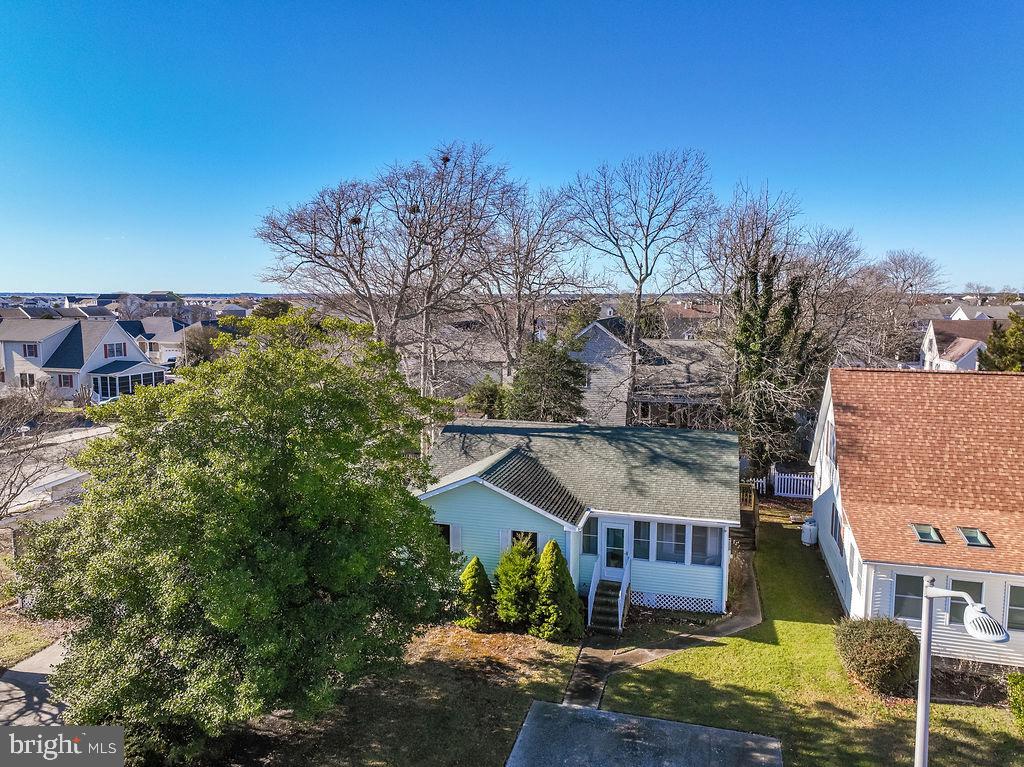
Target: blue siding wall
482	513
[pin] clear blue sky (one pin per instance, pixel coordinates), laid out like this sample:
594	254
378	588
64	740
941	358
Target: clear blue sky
140	143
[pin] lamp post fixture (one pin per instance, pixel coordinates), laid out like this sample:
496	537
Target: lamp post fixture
977	622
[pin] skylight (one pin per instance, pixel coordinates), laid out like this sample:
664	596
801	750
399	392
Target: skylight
975	537
927	533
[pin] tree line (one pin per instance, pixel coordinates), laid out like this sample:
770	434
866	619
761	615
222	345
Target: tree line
441	254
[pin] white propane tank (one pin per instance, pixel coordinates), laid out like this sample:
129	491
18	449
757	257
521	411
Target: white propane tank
809	532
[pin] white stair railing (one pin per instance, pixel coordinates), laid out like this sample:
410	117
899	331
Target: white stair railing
627	571
594	579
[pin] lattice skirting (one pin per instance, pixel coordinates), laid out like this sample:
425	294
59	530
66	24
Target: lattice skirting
672	602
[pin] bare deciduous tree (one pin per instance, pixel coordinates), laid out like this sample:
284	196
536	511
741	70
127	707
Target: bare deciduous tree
21	462
644	215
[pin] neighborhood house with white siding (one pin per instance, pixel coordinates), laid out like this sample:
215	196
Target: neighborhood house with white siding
922	473
641	512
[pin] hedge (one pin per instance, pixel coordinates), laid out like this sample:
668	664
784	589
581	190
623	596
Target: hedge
880	652
1015	692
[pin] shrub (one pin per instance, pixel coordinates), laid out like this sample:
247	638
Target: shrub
557	614
516	594
880	652
477	597
1015	691
487	397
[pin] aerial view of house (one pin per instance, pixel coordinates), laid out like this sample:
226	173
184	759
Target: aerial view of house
919	473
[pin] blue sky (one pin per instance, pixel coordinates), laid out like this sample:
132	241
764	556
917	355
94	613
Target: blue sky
140	143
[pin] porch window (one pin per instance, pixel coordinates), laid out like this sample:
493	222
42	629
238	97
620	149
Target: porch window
671	543
707	546
445	531
590	536
909	597
1015	612
958	605
642	540
525	535
158	377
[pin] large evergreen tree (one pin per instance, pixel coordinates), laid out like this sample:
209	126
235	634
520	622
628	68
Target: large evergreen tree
247	541
557	614
548	385
1005	348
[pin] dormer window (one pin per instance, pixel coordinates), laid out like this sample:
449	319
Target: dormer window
975	537
927	533
30	350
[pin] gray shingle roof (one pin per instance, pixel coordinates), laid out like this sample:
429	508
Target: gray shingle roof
31	330
645	471
120	366
75	349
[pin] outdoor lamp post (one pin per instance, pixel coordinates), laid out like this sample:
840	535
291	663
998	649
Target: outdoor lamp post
978	623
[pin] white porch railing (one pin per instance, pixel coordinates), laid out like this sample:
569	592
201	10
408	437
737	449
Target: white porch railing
627	572
594	579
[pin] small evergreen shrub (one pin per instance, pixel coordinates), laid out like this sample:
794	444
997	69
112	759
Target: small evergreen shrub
1015	692
557	615
516	594
881	652
476	597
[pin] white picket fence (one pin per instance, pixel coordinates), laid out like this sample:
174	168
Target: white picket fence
786	485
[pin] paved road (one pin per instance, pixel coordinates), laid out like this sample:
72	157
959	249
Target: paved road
25	693
572	736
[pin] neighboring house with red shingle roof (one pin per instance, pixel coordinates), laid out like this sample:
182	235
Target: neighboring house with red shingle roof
954	344
922	473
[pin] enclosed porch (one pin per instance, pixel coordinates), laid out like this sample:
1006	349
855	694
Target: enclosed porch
122	377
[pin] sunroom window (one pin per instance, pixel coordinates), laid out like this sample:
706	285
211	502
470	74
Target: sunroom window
590	536
975	537
707	546
671	543
927	533
641	540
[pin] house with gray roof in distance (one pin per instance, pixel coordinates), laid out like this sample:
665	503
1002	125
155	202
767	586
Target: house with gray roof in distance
678	380
161	338
69	355
642	515
953	345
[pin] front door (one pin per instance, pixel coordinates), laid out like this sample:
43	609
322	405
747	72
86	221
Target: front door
613	542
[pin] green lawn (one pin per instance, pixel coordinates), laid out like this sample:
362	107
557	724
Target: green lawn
783	678
460	699
20	638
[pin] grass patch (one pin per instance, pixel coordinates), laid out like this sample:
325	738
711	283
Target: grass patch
783	678
20	638
646	627
460	699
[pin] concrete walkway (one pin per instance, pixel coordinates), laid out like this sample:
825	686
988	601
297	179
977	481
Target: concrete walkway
25	693
597	659
571	736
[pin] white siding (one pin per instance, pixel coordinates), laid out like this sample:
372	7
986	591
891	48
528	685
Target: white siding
699	581
951	641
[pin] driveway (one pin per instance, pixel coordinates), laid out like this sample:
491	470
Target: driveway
25	693
572	736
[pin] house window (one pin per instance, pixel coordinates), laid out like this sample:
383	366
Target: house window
909	597
525	535
158	377
927	533
671	543
115	350
27	380
975	537
837	528
707	546
30	350
590	536
957	605
65	380
445	531
1015	611
642	540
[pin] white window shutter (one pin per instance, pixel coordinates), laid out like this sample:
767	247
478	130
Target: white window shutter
504	539
456	537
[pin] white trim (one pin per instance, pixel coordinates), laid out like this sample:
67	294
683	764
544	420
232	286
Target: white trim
466	480
664	518
945	569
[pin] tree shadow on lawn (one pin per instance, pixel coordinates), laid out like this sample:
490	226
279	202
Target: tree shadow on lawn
433	712
812	733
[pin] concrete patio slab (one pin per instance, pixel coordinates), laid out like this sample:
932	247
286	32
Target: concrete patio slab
575	736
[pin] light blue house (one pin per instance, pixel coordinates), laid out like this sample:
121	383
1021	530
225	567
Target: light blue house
642	515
